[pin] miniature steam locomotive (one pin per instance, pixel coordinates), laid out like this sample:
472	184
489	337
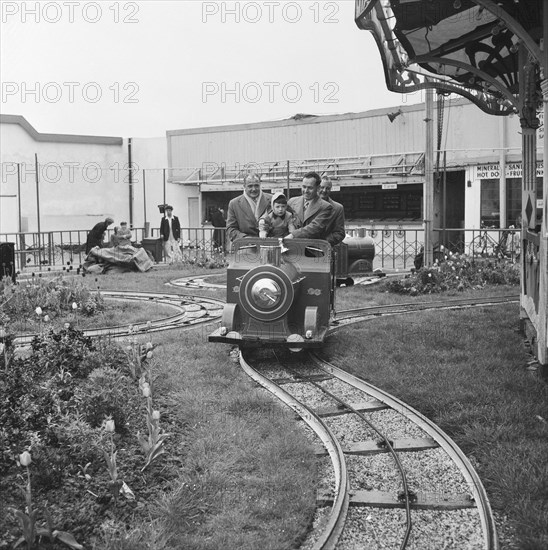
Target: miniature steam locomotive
279	293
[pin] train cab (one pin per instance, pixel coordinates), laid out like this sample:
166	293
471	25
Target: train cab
279	294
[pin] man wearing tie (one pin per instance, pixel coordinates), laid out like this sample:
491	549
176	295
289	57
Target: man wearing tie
170	230
244	211
311	212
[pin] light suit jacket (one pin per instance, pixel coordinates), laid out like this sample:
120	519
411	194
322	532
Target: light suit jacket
241	221
335	230
313	224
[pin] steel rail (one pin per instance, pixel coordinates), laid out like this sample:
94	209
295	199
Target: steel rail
333	529
421	306
387	443
445	442
176	301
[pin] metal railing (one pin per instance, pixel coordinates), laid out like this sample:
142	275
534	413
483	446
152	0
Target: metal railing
367	166
395	247
57	249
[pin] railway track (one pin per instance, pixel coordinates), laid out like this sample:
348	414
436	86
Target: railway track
393	478
363	313
189	312
345	402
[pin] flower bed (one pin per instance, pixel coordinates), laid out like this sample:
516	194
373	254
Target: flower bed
457	272
78	418
45	299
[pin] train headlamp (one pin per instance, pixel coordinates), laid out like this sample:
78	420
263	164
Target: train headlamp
266	293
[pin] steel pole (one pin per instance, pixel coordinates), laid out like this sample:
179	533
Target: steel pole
144	200
130	166
288	182
543	252
164	187
38	209
428	190
20	223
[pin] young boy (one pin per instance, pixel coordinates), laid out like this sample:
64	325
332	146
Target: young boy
279	222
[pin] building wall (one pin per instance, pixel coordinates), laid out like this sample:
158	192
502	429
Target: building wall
82	179
149	155
79	184
468	131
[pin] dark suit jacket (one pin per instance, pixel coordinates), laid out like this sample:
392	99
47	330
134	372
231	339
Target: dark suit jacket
335	230
313	224
240	221
95	236
175	227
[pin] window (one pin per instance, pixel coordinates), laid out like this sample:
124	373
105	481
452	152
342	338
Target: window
490	203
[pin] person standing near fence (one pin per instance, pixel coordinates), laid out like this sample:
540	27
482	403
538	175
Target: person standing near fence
97	233
170	230
217	218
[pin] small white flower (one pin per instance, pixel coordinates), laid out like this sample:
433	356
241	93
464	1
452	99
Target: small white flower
46	318
67	325
149	345
74	305
149	355
38	310
155	415
146	389
25	458
109	426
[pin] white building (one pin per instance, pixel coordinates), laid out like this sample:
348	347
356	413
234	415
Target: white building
375	159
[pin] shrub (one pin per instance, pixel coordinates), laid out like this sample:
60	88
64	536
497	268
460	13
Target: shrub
53	296
63	350
25	404
78	438
456	273
106	393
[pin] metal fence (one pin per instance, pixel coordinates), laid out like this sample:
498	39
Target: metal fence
40	251
395	248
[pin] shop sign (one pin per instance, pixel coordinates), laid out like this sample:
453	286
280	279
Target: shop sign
389	185
540	203
513	170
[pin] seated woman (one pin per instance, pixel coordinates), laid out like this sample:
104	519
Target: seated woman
124	235
122	256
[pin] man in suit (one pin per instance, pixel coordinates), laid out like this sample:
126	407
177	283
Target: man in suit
217	218
170	230
335	230
311	212
244	211
95	236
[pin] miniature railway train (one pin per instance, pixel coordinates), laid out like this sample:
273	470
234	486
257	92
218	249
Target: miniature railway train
281	293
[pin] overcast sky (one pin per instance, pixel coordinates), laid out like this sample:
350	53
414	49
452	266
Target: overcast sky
137	69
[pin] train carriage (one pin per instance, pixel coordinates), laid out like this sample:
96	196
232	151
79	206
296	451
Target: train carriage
278	294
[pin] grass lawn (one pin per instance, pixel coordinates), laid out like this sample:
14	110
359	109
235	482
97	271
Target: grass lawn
466	370
246	478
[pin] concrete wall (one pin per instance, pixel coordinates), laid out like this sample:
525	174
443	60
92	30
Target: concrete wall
82	179
79	180
149	155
